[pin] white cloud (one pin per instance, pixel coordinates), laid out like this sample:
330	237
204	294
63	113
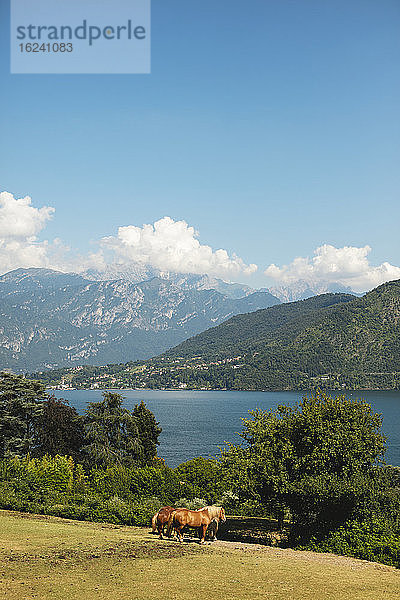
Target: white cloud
167	245
171	245
20	222
61	257
19	219
349	266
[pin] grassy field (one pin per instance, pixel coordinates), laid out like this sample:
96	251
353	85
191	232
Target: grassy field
56	559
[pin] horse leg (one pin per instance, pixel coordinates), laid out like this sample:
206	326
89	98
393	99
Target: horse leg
202	529
174	531
215	529
179	531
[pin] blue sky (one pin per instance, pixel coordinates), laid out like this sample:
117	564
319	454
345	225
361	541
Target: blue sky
270	126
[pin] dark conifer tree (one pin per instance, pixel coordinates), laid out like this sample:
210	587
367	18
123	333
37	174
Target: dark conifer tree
115	435
149	431
20	407
112	432
59	430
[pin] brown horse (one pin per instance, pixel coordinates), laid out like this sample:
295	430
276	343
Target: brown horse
200	519
160	519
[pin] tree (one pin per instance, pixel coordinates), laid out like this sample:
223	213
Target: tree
319	458
59	430
117	436
148	430
20	407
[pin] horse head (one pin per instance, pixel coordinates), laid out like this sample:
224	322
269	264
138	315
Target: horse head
221	515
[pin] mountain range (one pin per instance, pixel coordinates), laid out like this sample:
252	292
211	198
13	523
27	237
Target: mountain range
49	319
187	281
301	290
296	290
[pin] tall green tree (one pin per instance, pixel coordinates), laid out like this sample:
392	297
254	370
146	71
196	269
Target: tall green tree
58	430
148	430
20	407
116	435
319	458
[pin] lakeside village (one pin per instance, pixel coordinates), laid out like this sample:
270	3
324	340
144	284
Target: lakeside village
178	373
132	375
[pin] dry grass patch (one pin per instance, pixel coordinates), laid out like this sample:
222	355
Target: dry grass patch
56	559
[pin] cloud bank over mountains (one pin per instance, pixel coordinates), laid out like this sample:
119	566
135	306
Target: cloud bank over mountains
348	265
167	245
171	246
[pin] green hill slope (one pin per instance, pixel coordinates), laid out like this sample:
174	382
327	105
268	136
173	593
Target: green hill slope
253	330
333	341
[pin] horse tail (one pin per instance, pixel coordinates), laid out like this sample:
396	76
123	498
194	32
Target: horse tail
154	523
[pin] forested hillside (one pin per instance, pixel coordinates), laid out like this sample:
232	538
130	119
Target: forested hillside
251	331
353	343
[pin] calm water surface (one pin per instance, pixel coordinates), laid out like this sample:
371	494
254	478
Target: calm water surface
198	423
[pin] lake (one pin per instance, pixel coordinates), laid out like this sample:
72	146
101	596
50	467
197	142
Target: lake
197	423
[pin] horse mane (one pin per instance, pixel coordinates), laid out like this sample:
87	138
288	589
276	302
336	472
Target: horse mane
213	511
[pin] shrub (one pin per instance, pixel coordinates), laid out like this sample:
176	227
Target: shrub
43	479
374	540
9	499
131	482
56	486
231	502
200	477
192	504
144	509
116	510
68	511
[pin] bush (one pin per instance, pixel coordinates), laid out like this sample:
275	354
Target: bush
56	486
200	477
43	479
121	512
231	502
9	500
143	511
130	482
374	540
68	511
192	503
234	505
